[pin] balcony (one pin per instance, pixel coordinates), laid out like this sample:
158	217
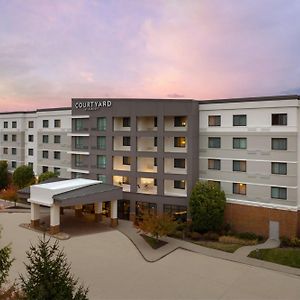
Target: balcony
146	186
118	143
121	124
176	144
175	188
176	123
146	144
146	164
146	124
175	166
120	163
123	182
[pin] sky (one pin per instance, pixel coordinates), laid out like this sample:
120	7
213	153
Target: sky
51	51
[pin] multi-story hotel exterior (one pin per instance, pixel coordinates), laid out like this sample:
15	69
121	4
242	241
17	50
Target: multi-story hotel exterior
156	150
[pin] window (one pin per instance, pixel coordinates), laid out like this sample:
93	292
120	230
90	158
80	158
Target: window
126	160
45	169
279	119
13	124
5	150
239	143
278	192
13	151
13	164
279	168
14	138
101	123
30	164
145	207
214	164
214	142
239	120
101	178
56	123
125	180
155	122
5	124
57	171
30	138
57	139
179	121
45	123
78	159
45	154
45	139
217	184
126	122
30	152
179	142
279	143
126	140
239	165
78	124
79	143
101	161
214	120
239	188
30	124
5	137
155	141
179	212
179	163
56	155
101	142
179	184
155	162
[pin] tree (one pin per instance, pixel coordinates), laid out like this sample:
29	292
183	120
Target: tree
207	206
46	175
48	274
23	176
4	179
157	225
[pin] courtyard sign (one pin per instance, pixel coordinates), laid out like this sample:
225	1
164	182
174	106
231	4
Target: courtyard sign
92	105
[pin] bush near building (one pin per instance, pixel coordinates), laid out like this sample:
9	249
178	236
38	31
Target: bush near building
9	194
23	176
207	206
4	176
46	175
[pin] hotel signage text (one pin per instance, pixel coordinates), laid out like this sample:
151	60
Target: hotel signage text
92	105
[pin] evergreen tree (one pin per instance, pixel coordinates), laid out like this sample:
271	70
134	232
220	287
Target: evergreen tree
207	205
23	176
46	175
3	174
48	274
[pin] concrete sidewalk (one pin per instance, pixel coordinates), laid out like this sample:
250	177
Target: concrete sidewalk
240	256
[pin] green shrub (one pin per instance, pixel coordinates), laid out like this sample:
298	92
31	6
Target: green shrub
247	236
195	235
23	176
289	242
210	236
177	234
46	175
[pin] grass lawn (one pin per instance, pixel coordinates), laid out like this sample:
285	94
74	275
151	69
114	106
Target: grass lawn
219	246
284	256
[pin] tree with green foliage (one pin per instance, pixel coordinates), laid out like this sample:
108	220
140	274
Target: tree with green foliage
48	274
207	205
157	225
23	176
4	179
46	175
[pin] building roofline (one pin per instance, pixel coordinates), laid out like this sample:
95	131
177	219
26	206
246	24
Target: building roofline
35	111
133	99
251	99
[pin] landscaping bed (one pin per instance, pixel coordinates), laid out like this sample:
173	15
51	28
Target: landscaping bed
155	244
219	246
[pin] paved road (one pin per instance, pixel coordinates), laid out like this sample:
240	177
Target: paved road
114	269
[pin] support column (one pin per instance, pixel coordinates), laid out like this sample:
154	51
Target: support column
35	215
98	211
78	210
54	219
113	213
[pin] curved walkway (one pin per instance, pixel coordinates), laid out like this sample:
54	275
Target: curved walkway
239	256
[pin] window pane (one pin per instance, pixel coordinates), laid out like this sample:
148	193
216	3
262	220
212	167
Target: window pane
279	144
279	168
239	143
101	142
214	120
101	124
214	142
101	161
279	119
239	120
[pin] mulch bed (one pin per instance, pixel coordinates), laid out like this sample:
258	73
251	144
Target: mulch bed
152	242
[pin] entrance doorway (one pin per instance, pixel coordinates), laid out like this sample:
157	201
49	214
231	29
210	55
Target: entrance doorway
124	209
274	230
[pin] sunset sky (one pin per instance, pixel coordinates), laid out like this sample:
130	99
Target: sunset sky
51	51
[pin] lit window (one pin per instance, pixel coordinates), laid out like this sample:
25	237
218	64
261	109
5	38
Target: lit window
240	188
179	184
179	121
179	142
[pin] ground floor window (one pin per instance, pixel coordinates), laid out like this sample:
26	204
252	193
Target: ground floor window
144	207
179	212
124	209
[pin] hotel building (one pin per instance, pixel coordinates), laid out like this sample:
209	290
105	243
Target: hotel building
156	150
